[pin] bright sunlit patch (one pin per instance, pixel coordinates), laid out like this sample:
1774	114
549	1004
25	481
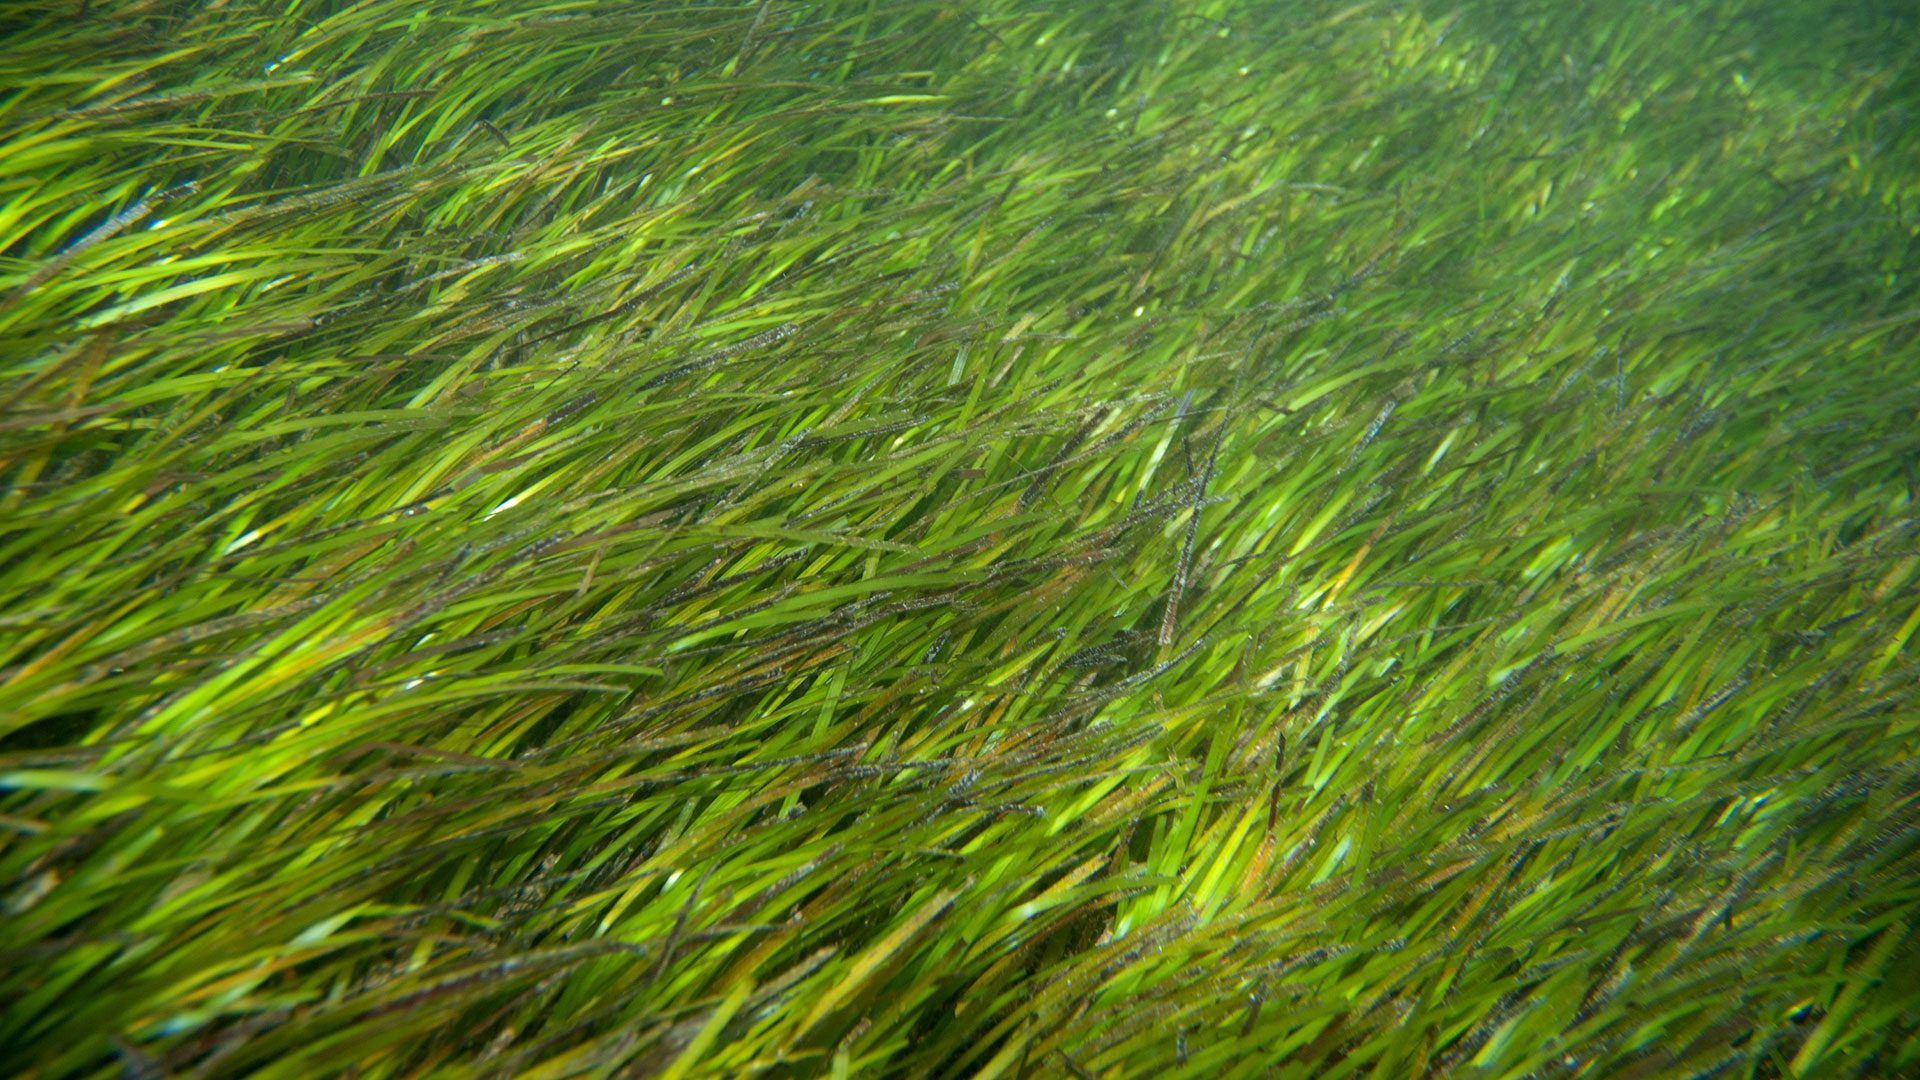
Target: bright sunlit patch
506	505
1441	450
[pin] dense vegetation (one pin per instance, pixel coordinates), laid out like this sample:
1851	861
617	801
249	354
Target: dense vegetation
924	538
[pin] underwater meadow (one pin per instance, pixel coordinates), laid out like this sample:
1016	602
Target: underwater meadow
959	538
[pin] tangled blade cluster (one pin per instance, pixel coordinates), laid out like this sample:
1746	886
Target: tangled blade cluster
1208	538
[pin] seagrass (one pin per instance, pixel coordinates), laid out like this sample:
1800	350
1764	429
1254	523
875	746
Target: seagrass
1207	538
